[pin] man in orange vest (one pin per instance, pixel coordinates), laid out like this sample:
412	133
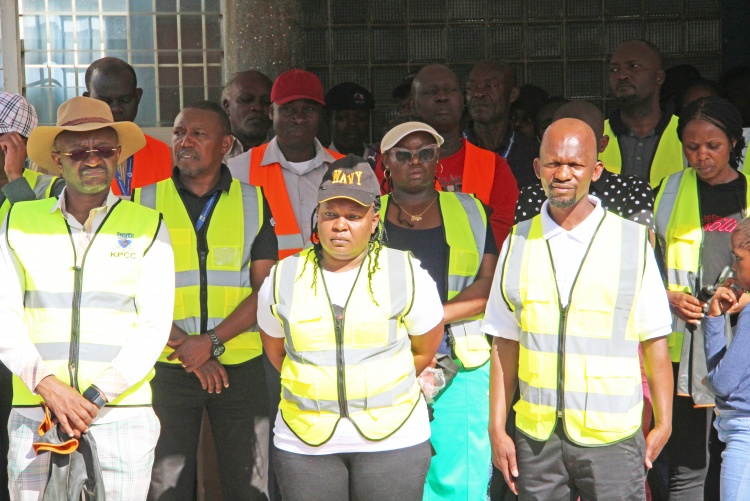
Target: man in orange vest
113	81
463	167
291	166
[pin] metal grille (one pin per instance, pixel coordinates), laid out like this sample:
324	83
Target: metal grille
560	45
174	45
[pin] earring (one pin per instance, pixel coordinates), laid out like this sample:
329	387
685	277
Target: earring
386	173
441	169
314	238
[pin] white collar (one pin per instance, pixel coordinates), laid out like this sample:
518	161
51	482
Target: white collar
582	232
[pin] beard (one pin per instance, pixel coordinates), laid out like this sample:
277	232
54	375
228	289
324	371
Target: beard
563	203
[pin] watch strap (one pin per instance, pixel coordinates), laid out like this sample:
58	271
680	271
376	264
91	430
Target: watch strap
95	396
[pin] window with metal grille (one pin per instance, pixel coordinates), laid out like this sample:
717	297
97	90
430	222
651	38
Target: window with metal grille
560	45
174	46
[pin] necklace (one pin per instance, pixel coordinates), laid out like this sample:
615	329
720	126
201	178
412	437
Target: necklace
414	217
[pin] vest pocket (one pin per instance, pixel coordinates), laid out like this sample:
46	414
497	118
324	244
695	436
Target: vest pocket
591	321
226	257
368	333
611	393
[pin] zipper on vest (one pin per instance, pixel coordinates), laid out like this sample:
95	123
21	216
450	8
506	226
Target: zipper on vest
202	258
75	336
338	322
75	329
561	362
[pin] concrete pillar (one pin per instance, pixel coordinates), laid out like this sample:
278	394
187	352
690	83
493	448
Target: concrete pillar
265	35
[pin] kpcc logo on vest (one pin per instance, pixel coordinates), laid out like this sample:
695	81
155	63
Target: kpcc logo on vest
124	240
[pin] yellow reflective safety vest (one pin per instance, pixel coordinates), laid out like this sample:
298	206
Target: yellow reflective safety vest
79	318
465	224
236	220
667	159
40	183
680	233
358	367
578	362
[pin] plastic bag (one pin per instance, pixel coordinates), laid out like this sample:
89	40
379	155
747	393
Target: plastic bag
432	380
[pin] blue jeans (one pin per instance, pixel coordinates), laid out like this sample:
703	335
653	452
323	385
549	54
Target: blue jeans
734	430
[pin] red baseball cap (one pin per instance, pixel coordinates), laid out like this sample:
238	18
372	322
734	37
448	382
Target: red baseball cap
297	84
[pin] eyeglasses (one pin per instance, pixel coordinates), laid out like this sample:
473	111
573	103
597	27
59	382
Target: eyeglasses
424	154
81	154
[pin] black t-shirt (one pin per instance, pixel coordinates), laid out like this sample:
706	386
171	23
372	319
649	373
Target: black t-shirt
430	248
721	207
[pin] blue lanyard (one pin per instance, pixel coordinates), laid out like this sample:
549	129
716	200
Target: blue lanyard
510	145
125	184
205	211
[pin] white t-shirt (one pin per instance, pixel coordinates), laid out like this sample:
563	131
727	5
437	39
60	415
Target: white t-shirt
426	313
652	313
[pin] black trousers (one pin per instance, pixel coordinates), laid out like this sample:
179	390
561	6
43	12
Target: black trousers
239	421
6	403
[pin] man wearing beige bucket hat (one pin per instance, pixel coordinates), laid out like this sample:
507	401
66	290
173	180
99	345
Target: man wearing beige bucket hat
84	323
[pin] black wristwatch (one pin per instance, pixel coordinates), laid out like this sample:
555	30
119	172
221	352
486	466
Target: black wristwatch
93	395
217	348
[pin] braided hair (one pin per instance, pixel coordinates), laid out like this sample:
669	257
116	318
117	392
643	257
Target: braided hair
374	246
721	113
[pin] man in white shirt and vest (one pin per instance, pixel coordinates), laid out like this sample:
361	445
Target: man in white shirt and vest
643	137
576	291
86	303
224	247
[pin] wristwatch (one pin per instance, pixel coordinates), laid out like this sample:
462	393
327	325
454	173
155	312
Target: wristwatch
217	348
93	395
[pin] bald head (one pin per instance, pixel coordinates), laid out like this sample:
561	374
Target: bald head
567	162
113	81
438	97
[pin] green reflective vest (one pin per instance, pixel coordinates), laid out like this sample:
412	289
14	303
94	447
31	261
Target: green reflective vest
465	224
667	159
232	228
362	368
40	183
578	362
79	318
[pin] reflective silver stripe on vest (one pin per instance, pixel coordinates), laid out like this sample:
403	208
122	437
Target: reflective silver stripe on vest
90	299
667	200
42	183
352	356
513	260
221	278
478	230
251	225
580	401
384	399
148	196
632	268
86	351
291	241
681	277
193	324
286	281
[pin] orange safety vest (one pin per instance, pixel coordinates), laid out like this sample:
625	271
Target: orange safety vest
478	174
151	164
271	179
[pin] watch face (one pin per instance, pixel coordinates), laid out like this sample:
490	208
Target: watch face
218	351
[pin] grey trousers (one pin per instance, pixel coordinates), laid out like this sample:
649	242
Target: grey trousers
559	470
397	475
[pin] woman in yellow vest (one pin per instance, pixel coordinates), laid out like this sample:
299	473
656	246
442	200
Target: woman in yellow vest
350	324
448	233
696	211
